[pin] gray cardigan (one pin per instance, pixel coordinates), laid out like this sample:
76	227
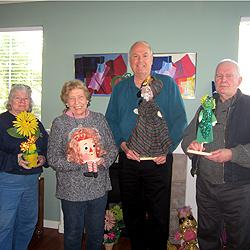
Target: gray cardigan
71	184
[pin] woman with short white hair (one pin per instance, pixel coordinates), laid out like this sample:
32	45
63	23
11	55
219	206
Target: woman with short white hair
18	181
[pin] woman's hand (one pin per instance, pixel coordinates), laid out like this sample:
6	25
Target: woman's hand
24	164
100	162
21	162
41	160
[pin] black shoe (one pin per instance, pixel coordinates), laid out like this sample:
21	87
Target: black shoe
89	174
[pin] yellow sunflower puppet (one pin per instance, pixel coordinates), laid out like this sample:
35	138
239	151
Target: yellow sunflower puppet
26	126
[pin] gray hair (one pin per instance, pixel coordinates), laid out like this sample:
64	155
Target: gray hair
229	61
74	84
141	42
15	88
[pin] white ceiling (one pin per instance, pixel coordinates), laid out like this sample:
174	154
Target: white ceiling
22	1
5	2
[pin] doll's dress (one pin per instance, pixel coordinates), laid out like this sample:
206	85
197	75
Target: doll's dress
150	137
205	127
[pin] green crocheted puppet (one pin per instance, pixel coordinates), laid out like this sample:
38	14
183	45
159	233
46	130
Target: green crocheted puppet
206	120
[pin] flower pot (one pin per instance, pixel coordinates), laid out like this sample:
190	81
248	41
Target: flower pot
109	246
32	159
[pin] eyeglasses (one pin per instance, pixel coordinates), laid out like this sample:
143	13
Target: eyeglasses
19	99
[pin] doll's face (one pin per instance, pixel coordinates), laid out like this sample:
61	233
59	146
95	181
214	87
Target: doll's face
88	149
209	104
188	222
147	93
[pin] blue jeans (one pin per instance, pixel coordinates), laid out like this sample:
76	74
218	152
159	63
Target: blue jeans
80	215
18	210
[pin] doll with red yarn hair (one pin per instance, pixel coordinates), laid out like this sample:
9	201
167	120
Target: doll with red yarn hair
84	146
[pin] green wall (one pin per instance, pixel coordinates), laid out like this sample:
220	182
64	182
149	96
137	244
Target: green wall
208	28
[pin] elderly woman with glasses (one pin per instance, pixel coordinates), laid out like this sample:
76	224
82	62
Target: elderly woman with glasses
18	182
71	151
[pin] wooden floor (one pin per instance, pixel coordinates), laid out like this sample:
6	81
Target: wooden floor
52	240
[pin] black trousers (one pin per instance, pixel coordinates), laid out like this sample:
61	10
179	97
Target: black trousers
145	193
223	207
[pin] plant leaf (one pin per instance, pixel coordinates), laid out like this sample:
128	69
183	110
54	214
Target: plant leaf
13	132
38	133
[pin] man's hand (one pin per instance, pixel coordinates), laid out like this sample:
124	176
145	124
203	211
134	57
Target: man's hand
131	154
220	155
160	159
194	145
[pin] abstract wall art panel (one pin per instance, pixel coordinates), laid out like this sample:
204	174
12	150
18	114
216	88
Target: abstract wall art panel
98	70
181	67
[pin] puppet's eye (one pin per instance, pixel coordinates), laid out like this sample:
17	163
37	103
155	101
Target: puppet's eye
86	148
181	220
93	146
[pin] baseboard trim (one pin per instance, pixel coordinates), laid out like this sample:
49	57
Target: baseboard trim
51	224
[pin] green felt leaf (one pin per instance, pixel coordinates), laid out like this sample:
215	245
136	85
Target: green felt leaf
13	132
38	133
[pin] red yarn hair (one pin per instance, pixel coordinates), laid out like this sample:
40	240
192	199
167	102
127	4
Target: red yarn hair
73	149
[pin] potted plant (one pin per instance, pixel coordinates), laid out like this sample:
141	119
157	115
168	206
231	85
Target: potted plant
113	226
26	127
